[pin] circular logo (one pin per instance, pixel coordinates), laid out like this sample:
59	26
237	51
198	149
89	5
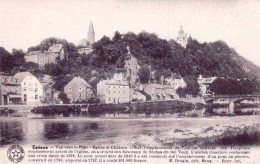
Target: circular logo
15	153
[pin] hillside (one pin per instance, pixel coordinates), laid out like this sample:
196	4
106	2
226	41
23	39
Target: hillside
249	67
167	58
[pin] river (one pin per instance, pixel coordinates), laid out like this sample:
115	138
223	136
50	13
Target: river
98	131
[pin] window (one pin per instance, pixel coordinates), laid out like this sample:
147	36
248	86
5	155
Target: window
36	97
70	89
80	88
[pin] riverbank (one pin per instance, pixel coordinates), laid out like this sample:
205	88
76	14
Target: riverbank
137	109
238	134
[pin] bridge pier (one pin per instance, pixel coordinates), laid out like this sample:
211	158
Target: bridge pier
231	107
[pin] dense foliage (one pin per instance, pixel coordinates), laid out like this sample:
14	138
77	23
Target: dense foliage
166	58
233	87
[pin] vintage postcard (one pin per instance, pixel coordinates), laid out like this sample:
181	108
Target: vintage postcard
129	81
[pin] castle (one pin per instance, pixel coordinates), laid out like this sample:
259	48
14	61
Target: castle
56	51
182	38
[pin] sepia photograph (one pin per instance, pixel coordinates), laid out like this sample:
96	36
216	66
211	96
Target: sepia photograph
130	81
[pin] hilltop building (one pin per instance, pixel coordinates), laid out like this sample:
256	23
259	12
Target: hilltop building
204	84
78	90
182	38
32	56
10	90
41	58
85	45
31	88
113	91
91	33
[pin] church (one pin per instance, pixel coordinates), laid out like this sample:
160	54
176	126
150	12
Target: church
85	45
182	38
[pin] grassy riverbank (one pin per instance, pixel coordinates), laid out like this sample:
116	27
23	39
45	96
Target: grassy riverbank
239	135
159	107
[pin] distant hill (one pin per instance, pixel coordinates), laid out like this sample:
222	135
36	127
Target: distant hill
249	67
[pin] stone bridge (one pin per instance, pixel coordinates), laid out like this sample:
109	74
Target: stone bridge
231	100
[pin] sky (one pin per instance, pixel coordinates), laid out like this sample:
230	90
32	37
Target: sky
25	23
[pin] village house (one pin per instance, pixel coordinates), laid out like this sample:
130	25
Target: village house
113	91
48	90
78	90
41	58
31	88
178	83
137	95
10	90
204	84
159	92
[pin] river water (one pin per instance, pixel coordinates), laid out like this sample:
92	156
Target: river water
98	131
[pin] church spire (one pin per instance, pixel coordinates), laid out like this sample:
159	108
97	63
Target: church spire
91	33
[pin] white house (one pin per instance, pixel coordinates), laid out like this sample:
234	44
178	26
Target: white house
178	83
204	84
113	92
31	88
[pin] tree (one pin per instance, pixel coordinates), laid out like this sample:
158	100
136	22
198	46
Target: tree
233	87
18	56
144	74
64	98
117	37
7	61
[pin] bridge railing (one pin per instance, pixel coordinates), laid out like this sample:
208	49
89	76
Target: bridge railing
231	96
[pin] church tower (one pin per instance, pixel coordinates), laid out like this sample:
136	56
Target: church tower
91	33
182	38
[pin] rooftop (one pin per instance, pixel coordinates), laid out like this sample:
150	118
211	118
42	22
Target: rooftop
22	75
55	48
33	53
79	80
115	82
160	86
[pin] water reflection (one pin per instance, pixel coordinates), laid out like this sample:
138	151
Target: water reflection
97	131
56	130
10	132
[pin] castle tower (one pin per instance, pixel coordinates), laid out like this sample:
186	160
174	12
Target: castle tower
182	37
91	33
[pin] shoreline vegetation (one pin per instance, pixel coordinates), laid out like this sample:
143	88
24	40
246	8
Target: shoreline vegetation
175	108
